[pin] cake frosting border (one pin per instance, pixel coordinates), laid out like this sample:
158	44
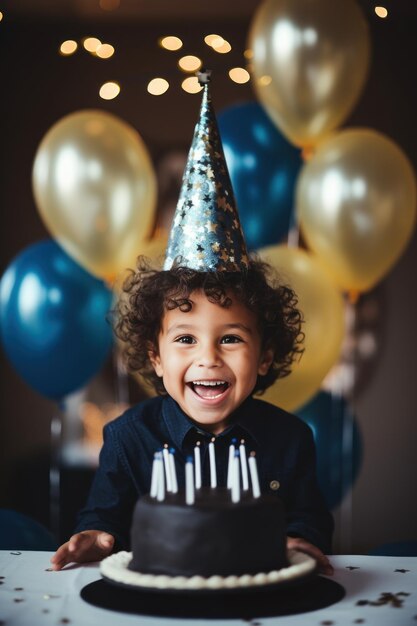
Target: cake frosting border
115	569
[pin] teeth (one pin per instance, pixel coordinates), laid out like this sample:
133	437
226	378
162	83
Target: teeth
209	383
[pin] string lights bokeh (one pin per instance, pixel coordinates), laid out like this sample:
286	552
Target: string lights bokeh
189	63
210	38
68	47
381	11
105	51
91	44
239	75
191	85
265	80
109	90
158	85
170	43
222	48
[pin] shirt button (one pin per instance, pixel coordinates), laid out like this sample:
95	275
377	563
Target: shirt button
274	485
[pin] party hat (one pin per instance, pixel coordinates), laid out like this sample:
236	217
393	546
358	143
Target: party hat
206	234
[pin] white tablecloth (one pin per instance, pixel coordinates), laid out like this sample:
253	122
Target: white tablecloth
33	596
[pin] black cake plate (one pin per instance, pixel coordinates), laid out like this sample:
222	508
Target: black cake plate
314	593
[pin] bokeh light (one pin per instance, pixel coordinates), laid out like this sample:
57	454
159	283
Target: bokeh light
170	43
191	85
210	38
224	48
381	12
239	75
265	80
158	86
109	90
91	44
190	63
105	51
68	47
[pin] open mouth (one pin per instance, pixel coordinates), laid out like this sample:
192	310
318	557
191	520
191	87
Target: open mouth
209	389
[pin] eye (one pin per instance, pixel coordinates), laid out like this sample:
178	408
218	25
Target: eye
231	339
185	339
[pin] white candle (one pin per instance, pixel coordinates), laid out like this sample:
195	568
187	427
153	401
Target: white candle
173	471
160	496
212	457
236	478
154	478
256	491
197	464
230	464
167	467
244	465
189	481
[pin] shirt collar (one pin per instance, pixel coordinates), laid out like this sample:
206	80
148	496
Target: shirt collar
179	424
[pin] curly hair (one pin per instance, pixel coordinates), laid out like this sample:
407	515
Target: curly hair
147	293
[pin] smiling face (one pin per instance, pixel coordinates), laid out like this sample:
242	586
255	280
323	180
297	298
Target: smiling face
209	358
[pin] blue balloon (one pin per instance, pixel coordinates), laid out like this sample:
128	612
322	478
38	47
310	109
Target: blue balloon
21	532
53	320
396	548
338	444
263	167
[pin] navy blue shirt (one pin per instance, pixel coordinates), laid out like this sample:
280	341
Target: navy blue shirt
285	455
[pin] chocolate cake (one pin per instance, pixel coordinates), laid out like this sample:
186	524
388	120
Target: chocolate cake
209	538
214	536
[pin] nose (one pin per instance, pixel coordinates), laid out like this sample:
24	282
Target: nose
209	356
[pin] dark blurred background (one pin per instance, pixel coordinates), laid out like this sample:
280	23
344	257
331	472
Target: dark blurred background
39	87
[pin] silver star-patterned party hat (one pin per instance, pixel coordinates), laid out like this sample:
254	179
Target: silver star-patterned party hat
206	234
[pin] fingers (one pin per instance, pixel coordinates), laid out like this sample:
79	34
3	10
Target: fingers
105	542
324	565
71	551
59	558
90	545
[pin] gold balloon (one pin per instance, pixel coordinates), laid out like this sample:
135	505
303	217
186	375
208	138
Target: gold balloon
95	189
153	249
323	311
310	61
356	203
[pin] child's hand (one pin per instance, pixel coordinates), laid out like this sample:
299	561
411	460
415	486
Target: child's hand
297	543
89	545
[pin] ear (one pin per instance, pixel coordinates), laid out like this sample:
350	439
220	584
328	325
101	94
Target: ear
155	360
265	361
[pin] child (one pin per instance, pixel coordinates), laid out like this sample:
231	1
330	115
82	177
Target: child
209	331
